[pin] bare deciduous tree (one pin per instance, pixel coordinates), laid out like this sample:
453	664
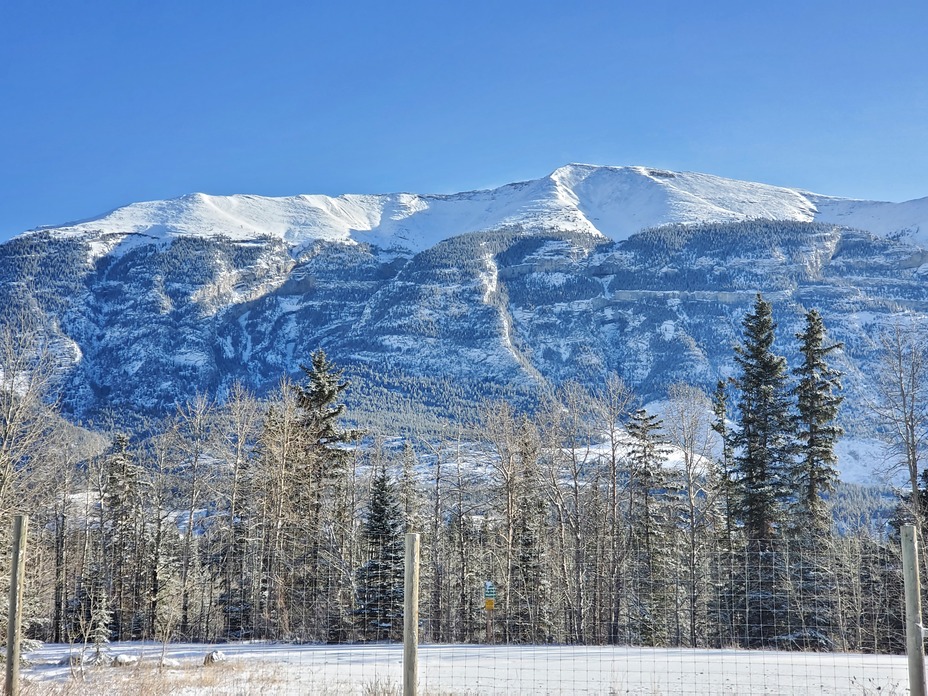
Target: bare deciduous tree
27	370
901	402
688	427
610	408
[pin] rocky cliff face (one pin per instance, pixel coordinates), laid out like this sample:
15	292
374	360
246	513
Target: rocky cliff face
142	317
486	311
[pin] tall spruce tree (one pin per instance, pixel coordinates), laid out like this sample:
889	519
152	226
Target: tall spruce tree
319	400
815	472
322	472
529	595
814	475
121	515
651	518
765	437
765	445
648	480
723	474
380	579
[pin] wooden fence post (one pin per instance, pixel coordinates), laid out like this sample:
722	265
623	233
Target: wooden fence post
914	632
14	620
411	617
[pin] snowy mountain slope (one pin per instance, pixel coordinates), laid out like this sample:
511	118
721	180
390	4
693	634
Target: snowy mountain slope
614	202
494	314
908	220
619	201
499	293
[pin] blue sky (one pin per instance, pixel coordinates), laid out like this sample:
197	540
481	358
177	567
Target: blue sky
107	102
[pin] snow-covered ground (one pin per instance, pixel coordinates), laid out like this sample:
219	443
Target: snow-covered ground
485	669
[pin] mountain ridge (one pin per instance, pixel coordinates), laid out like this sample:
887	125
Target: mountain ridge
145	312
608	201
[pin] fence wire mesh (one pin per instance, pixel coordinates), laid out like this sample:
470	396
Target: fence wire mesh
750	617
608	572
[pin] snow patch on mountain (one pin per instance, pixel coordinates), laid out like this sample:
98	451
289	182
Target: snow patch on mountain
908	220
620	201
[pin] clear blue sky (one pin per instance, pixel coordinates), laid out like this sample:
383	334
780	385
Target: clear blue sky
111	101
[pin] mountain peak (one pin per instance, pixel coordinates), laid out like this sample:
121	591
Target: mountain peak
612	201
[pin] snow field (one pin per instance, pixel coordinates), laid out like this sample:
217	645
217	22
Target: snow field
614	202
373	670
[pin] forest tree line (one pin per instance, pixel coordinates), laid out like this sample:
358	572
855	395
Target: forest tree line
598	522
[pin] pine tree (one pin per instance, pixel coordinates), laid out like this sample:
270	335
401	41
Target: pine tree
319	401
529	594
766	427
652	523
648	479
100	619
121	513
815	473
319	479
380	579
321	460
763	462
725	463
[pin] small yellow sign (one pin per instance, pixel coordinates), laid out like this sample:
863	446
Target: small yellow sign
490	604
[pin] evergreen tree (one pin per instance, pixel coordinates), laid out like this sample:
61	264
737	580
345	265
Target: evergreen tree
529	595
763	463
100	619
652	522
725	463
815	473
319	481
765	438
649	482
319	400
121	515
380	579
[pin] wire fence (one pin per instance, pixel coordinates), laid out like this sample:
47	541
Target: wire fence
446	670
755	617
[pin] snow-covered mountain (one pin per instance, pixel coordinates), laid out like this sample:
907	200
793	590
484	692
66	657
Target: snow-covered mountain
433	300
614	202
